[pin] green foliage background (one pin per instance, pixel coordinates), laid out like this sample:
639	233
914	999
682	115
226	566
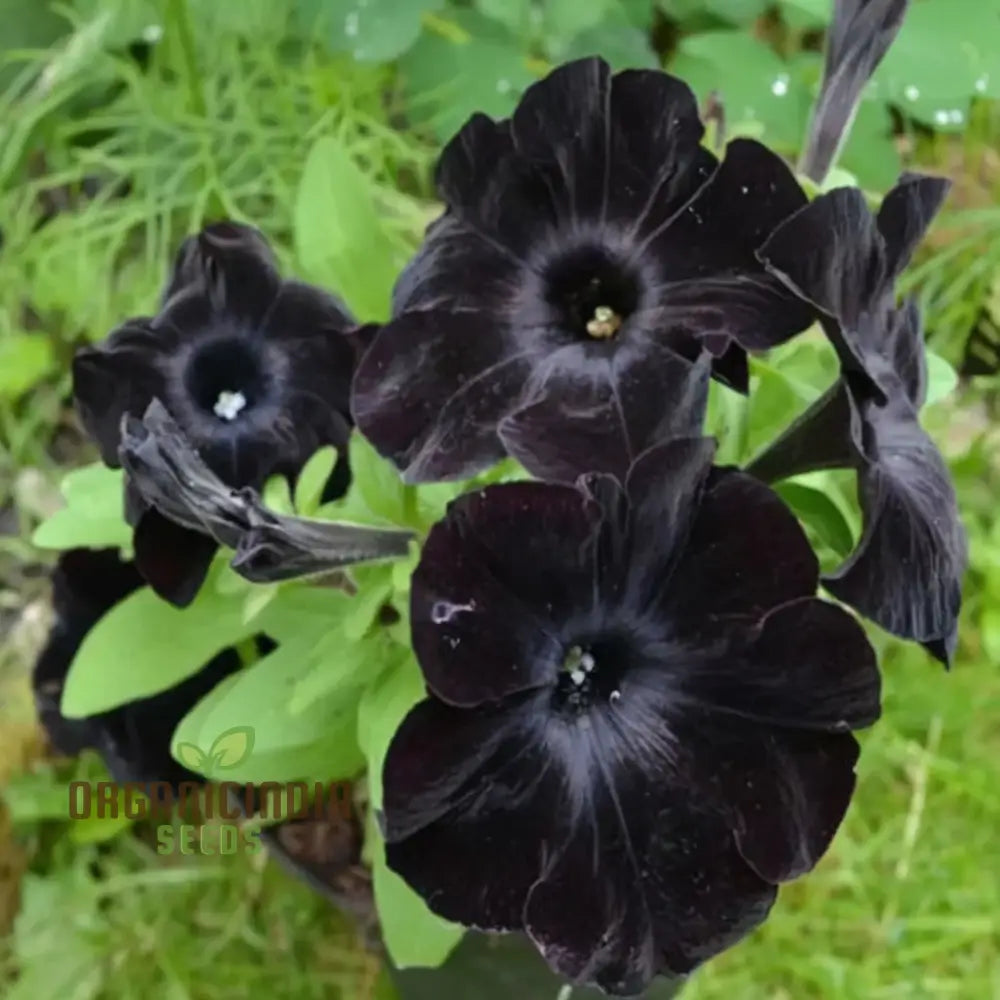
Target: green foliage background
319	120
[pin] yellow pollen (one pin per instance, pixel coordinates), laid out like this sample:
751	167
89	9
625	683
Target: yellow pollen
606	323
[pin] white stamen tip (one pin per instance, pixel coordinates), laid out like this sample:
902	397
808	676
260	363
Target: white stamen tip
577	677
229	405
587	662
616	696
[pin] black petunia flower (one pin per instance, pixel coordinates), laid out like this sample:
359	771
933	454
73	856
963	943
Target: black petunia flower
132	739
639	715
859	37
590	250
255	370
906	572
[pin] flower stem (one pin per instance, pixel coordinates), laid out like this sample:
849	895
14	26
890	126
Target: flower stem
411	507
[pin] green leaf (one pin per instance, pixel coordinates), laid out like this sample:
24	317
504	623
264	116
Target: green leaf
25	360
519	16
946	52
757	87
143	646
871	153
339	237
277	495
339	664
447	80
726	421
414	936
232	747
376	482
374	590
818	511
312	480
374	30
564	20
384	705
942	379
318	743
775	401
304	612
617	38
92	517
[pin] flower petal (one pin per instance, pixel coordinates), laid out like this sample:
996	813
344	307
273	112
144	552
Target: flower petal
430	391
497	581
906	214
469	804
117	377
906	573
172	559
597	412
745	555
231	265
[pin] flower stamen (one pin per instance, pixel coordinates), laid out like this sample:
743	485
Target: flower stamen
605	323
229	405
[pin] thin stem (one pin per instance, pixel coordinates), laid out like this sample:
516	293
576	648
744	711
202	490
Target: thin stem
411	507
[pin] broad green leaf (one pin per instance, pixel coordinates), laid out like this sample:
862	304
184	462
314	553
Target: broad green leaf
376	481
25	360
92	517
565	20
806	13
818	511
616	38
519	16
871	153
946	53
98	829
277	495
726	421
757	87
374	30
232	747
775	401
318	743
384	705
339	664
414	936
339	237
258	598
299	612
312	480
143	646
447	79
374	590
942	379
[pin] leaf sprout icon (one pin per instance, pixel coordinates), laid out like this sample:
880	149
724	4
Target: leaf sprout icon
228	750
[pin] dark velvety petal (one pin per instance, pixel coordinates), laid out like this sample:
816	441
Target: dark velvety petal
458	269
172	559
498	579
595	412
907	352
701	894
832	254
807	665
117	377
906	214
476	641
588	916
431	389
820	438
232	266
715	238
562	125
657	161
470	803
469	160
745	555
859	37
86	584
789	792
906	573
